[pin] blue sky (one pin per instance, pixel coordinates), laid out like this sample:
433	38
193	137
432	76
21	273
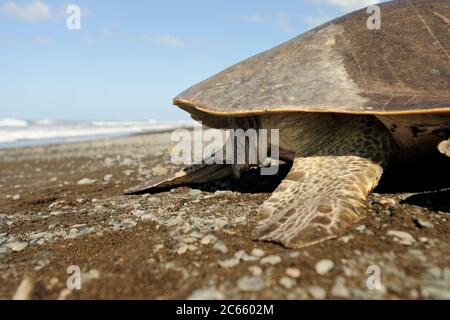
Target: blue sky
130	58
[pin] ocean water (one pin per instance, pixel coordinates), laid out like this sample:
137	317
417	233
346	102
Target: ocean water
23	133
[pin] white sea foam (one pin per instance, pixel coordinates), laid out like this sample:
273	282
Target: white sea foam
122	123
14	130
9	122
43	122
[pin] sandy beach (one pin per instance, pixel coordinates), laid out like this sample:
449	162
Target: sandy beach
63	205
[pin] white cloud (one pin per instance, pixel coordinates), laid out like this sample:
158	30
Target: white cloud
38	10
30	11
168	40
283	22
255	18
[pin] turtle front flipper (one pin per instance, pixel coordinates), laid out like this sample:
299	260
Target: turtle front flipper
319	199
444	147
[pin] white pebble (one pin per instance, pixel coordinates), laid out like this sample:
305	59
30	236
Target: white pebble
221	247
271	260
403	237
139	213
259	253
424	223
324	266
317	293
255	270
287	282
228	263
17	246
206	294
182	250
293	272
208	239
24	290
86	181
388	201
147	217
250	284
339	289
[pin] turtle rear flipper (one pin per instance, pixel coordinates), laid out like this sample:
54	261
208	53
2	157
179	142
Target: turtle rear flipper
193	174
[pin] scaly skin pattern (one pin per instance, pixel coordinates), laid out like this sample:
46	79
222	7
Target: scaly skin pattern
338	161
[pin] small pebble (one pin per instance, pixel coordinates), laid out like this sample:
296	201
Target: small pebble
240	254
435	293
293	273
206	294
423	239
86	181
324	266
24	290
318	293
346	239
259	253
208	239
388	201
287	282
126	162
424	223
271	260
182	250
403	237
64	294
139	213
221	247
90	275
16	197
250	284
228	263
255	270
17	246
190	240
147	217
339	289
195	192
192	247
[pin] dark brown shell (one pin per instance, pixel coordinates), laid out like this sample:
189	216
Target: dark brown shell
342	66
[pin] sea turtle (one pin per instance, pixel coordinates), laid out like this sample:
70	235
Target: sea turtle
347	100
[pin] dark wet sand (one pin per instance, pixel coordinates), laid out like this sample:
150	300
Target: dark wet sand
191	243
